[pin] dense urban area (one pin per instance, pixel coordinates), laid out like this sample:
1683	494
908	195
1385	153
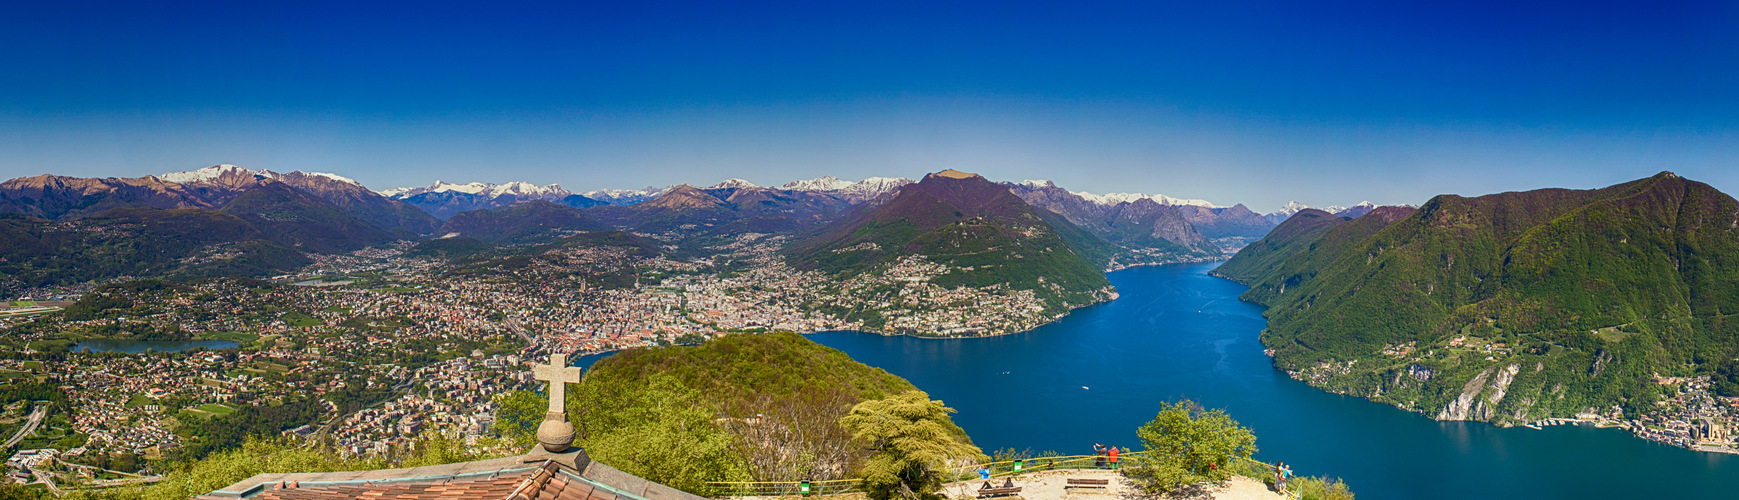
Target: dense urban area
368	351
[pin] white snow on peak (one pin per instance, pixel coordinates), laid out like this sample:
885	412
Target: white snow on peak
1115	198
875	186
625	196
860	190
732	183
467	188
204	174
395	192
528	190
515	188
1038	183
335	177
824	183
1291	207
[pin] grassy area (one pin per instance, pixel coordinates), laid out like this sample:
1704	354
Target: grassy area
139	400
33	365
300	320
238	337
9	374
215	409
337	309
22	303
271	367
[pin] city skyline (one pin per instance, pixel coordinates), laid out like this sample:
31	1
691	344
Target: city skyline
1247	102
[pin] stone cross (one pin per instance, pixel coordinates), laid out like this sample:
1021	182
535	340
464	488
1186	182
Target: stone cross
559	375
555	433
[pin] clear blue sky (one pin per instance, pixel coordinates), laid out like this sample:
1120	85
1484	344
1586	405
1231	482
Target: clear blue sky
1232	101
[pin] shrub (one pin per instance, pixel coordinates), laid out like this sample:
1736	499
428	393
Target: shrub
1189	444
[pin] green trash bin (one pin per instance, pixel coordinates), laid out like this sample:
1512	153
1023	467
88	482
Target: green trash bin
803	487
1017	464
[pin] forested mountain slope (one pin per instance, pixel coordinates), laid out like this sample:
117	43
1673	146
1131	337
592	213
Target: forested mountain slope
1510	306
979	229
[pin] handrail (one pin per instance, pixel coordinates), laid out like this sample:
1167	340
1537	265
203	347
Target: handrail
1001	468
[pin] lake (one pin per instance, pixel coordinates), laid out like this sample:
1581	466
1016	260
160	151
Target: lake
1096	375
138	346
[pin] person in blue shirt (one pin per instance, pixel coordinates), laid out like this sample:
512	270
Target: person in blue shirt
1281	474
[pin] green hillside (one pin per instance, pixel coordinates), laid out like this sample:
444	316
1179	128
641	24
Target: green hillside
181	244
1511	306
304	221
1288	239
984	233
529	222
743	407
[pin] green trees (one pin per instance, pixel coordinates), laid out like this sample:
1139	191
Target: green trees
1637	279
911	438
1321	488
740	408
1189	444
663	432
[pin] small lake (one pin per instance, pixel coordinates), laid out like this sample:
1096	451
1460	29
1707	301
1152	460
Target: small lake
1096	375
139	346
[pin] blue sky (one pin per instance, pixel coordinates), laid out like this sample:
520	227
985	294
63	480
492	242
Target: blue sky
1232	101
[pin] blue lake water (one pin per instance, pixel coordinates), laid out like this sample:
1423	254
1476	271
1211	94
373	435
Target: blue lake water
138	346
1179	333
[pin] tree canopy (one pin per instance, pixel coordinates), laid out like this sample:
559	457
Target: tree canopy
911	438
1188	444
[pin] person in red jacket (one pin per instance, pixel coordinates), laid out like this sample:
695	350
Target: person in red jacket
1113	453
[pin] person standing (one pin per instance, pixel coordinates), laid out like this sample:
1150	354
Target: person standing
1113	453
1281	474
1098	456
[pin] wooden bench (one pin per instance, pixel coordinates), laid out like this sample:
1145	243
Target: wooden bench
1087	483
997	492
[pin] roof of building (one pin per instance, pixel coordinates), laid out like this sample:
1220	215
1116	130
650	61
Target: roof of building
513	478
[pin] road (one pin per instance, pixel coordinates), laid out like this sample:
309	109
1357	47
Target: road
36	415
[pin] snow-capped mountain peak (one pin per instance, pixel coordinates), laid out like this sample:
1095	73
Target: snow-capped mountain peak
625	196
823	183
733	183
1038	183
529	190
516	188
335	177
1291	207
204	174
874	186
1116	198
858	191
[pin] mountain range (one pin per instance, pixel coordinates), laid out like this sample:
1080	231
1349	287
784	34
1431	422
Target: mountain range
1506	307
285	215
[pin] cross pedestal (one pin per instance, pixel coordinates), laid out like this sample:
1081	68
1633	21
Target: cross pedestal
556	434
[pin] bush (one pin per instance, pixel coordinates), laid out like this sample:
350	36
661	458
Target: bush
1189	444
912	440
1321	488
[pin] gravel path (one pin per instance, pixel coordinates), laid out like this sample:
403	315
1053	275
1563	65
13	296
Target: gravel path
1050	486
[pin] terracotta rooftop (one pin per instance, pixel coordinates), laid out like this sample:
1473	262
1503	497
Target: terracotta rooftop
558	477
